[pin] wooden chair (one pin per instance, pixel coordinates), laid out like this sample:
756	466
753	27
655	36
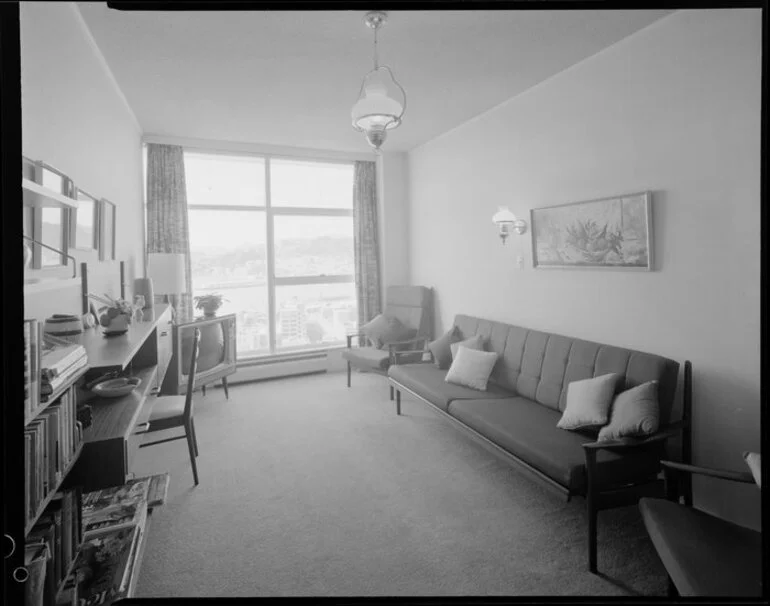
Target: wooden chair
177	411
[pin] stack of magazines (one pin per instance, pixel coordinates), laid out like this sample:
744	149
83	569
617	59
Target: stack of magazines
113	525
60	361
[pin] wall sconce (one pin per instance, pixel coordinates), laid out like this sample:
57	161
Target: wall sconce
507	221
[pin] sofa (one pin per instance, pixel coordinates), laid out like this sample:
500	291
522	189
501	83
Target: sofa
516	416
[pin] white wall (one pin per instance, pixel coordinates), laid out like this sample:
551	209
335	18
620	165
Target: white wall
75	118
392	194
674	108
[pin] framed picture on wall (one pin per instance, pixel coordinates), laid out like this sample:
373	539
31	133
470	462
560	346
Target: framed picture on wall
607	233
107	222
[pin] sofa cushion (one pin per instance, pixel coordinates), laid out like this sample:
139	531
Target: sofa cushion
633	414
428	381
471	368
383	329
754	461
440	348
528	431
588	402
476	342
367	357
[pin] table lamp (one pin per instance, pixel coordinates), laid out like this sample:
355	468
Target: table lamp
167	272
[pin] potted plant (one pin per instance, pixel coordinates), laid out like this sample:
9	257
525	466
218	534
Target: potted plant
209	303
115	315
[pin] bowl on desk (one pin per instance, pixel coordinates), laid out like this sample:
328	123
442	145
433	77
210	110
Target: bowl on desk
116	388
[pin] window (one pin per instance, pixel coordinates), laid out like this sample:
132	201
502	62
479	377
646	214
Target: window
84	226
48	225
275	237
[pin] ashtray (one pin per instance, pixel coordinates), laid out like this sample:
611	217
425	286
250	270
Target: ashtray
116	388
114	333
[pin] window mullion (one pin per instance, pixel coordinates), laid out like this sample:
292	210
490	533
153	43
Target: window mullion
270	260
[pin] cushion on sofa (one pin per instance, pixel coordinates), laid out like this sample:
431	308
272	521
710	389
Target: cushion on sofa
471	367
475	342
633	414
368	357
754	461
588	402
440	348
528	430
428	381
383	329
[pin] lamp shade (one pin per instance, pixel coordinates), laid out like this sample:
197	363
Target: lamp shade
167	272
503	215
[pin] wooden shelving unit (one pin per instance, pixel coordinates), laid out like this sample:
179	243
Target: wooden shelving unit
38	196
56	394
44	503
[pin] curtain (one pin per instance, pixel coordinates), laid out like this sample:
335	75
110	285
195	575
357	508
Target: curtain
167	228
366	241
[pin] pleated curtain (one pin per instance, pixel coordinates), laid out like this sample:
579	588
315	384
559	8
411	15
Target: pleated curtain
167	224
366	241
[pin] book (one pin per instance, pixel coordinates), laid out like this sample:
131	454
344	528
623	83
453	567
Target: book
158	490
101	565
47	387
133	554
28	476
115	507
27	368
36	556
57	356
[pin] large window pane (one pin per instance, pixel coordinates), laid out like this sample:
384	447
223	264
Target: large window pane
228	256
296	183
313	246
314	315
224	180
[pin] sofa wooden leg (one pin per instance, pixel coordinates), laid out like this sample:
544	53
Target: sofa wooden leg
391	393
224	385
398	402
348	373
592	515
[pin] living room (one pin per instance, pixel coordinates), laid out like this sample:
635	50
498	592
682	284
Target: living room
309	487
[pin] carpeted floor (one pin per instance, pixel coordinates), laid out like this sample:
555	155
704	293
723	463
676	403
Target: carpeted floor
309	488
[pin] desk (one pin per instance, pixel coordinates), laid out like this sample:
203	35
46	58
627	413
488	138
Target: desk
111	441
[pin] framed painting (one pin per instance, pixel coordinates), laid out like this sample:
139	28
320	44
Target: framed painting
608	233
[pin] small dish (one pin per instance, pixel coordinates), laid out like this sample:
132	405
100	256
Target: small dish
116	388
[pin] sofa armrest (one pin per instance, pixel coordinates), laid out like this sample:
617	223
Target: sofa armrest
395	355
723	474
671	431
397	346
352	336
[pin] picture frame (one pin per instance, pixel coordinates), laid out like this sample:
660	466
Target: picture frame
604	233
84	222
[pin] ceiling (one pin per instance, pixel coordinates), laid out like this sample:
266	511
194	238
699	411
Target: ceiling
291	77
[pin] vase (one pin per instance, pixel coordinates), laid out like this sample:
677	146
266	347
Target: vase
118	325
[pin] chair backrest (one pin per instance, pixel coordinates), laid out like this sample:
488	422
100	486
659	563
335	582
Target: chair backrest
413	306
188	401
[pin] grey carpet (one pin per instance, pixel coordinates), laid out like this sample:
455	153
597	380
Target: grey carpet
309	488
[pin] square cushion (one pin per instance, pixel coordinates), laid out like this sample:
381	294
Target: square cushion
634	413
528	431
475	342
471	367
440	348
383	329
588	402
428	381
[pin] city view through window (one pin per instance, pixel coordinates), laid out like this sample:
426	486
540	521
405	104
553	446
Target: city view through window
307	214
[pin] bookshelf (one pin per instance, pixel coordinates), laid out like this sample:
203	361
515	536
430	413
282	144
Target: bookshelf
39	196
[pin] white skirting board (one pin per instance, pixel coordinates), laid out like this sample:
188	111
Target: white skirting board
331	361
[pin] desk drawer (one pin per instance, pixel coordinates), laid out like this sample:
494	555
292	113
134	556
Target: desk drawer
165	348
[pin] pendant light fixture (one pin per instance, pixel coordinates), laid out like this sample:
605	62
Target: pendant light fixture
381	101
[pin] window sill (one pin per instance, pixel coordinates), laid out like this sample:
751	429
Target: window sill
293	356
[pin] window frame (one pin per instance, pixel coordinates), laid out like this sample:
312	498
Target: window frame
271	212
73	216
36	264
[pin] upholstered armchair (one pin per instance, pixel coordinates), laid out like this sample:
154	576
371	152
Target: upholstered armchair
411	308
704	555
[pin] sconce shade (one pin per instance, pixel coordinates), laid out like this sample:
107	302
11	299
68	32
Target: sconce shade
167	272
503	215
